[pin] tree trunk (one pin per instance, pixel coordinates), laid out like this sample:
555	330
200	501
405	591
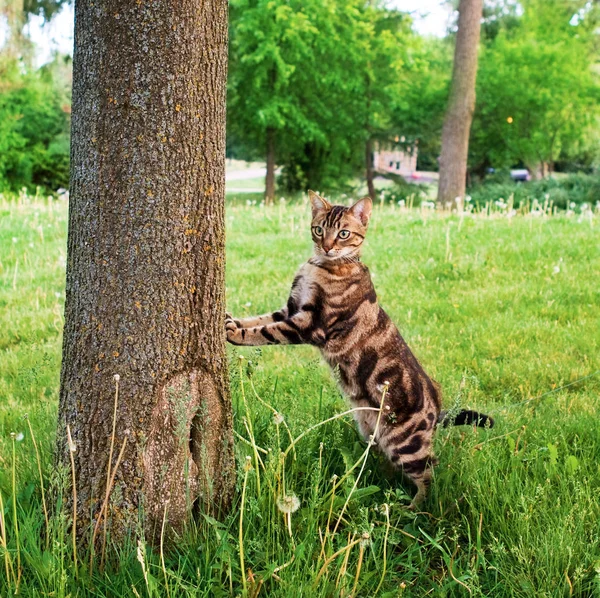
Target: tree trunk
270	176
145	268
369	168
459	114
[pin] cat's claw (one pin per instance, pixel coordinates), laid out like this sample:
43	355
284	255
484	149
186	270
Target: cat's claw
230	324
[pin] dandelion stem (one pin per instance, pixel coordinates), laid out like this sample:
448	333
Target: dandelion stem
14	502
39	464
162	554
333	557
109	465
240	437
275	412
74	530
241	534
364	457
7	562
326	421
104	506
250	430
386	508
361	553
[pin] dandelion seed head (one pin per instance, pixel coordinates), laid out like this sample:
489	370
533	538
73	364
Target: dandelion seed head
278	418
19	437
116	377
288	504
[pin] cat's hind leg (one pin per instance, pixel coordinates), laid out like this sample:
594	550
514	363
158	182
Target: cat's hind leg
414	457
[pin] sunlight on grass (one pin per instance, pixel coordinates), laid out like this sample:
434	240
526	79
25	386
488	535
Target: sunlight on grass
499	307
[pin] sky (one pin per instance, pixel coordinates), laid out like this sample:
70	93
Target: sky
430	18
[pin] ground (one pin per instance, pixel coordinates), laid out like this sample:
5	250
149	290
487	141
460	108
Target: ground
503	310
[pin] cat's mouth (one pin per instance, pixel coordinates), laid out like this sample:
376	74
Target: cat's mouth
336	255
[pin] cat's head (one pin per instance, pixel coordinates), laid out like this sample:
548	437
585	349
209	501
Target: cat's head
338	232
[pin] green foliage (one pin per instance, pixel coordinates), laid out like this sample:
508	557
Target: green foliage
498	309
325	76
537	90
418	110
34	127
562	192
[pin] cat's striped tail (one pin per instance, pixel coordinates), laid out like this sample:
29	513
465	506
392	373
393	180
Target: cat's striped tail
465	417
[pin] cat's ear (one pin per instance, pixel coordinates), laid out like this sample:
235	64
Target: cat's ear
318	203
362	210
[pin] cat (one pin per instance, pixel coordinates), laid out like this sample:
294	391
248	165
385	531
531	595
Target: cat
333	305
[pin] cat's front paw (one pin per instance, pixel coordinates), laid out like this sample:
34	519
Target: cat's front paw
232	330
230	323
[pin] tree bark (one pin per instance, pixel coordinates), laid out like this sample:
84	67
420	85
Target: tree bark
145	267
461	105
369	168
270	176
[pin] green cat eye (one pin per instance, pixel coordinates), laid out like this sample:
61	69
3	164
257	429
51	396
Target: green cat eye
344	234
318	231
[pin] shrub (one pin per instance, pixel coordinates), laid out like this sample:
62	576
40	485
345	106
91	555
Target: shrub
561	192
34	130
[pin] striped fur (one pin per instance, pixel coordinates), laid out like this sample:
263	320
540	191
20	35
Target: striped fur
333	305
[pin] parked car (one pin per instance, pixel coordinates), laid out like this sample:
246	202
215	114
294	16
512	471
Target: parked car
520	174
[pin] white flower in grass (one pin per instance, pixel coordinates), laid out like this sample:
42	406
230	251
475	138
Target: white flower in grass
14	239
365	539
288	504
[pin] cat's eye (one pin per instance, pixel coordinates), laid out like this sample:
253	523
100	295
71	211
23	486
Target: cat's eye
318	231
344	234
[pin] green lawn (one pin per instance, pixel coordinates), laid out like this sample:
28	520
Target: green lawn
499	310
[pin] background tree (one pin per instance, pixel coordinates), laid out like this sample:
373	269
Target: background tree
145	266
459	114
271	38
383	44
538	89
420	105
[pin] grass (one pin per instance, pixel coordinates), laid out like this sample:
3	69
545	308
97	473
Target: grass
499	309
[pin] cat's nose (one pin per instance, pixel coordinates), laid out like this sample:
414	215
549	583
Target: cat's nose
327	248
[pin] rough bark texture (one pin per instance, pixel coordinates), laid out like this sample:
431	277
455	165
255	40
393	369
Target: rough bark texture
270	176
369	168
459	114
145	270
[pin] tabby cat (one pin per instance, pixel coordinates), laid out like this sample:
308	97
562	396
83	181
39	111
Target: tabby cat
333	306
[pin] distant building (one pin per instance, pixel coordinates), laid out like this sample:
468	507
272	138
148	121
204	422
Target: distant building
395	157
